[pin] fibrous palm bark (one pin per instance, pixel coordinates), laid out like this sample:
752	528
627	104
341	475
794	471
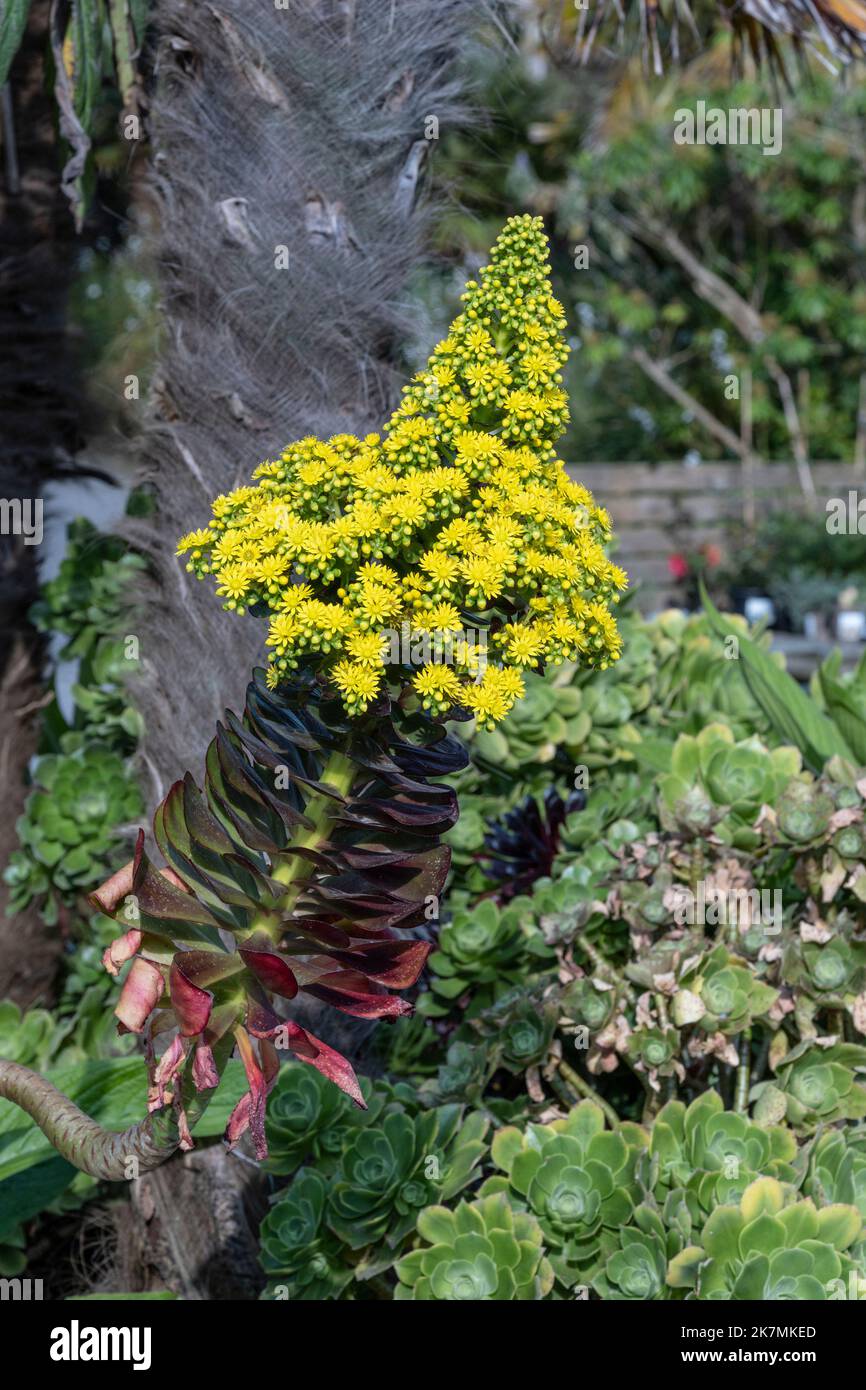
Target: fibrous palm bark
290	147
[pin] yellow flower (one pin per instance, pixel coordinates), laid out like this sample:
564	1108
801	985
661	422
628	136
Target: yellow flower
437	684
488	705
484	577
271	568
507	681
235	580
282	632
443	617
457	504
523	645
376	603
442	569
366	647
358	684
195	540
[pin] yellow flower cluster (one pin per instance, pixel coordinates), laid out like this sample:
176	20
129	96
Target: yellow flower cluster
454	541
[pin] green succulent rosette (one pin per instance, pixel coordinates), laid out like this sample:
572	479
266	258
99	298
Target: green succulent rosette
636	1269
712	1154
695	679
726	988
577	1178
69	827
616	813
463	1073
803	814
310	1118
768	1248
28	1038
390	1170
481	950
589	1003
836	1169
299	1255
642	902
562	906
519	1028
655	1050
482	1251
832	972
716	782
814	1085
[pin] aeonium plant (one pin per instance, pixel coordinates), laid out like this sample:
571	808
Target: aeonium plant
407	577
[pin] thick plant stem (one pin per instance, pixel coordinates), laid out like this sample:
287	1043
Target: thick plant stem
576	1083
105	1153
744	1048
102	1153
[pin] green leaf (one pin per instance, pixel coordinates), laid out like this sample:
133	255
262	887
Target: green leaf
86	31
120	32
12	26
839	1225
793	714
31	1191
847	712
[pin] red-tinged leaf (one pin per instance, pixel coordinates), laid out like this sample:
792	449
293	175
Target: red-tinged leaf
347	991
203	827
176	879
122	949
431	870
331	1064
276	760
261	1074
191	1004
260	1018
206	968
167	910
238	1121
119	886
186	1140
202	866
142	991
166	1069
324	932
270	968
395	964
229	802
204	1073
432	811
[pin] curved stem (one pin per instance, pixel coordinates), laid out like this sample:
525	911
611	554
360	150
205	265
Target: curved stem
106	1153
103	1153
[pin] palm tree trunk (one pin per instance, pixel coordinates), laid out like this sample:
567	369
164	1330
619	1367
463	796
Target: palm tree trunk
289	150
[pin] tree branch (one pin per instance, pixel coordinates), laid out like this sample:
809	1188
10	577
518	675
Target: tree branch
658	373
